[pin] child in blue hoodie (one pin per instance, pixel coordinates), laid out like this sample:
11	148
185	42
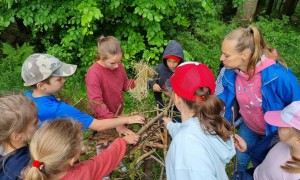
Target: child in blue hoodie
172	57
202	143
18	122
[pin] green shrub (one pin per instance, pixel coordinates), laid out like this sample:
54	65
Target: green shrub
11	66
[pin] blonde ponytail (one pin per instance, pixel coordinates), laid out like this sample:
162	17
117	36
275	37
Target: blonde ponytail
54	145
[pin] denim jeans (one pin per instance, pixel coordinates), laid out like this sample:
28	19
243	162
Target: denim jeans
250	138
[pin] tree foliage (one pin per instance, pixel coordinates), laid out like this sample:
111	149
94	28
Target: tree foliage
69	29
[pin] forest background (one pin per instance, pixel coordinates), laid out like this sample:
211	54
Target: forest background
69	31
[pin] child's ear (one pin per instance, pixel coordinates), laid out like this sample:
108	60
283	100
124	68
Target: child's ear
16	136
40	85
73	161
176	98
297	141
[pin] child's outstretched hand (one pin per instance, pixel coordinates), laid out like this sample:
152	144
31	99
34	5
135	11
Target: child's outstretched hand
167	120
131	138
123	130
156	88
239	143
135	119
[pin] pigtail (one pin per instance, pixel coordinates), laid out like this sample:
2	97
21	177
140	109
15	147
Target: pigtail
209	109
52	146
292	166
34	173
257	49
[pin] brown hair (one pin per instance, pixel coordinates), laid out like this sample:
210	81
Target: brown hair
108	46
46	81
54	144
292	166
251	38
208	108
17	111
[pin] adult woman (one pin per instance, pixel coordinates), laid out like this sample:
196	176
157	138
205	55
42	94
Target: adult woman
258	79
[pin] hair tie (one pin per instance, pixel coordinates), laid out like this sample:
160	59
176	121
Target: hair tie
200	98
101	37
37	164
249	30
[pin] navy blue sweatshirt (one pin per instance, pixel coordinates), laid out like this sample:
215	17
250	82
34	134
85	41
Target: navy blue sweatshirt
163	71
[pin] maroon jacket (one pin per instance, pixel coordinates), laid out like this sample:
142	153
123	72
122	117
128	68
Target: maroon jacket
105	89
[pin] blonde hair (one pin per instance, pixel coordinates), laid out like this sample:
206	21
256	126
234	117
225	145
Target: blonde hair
108	46
209	109
54	144
251	38
17	112
292	166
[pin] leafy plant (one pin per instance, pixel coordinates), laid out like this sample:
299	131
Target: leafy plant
11	66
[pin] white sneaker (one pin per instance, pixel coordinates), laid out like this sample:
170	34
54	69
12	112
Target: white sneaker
122	166
106	178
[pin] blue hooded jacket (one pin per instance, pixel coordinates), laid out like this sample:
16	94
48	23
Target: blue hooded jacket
12	164
280	87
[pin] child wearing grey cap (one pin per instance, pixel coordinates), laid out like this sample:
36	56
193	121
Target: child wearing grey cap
46	76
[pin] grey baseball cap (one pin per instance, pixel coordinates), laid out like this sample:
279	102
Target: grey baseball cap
38	67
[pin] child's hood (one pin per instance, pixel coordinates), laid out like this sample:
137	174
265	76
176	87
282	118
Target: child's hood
175	49
224	149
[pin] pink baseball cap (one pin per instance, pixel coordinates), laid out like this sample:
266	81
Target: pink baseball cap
288	117
190	76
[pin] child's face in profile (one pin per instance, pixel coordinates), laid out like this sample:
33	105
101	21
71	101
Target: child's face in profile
112	62
172	64
55	85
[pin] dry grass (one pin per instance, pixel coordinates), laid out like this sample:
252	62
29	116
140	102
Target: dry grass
144	73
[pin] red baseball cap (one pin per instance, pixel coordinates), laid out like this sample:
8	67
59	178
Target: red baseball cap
177	59
190	76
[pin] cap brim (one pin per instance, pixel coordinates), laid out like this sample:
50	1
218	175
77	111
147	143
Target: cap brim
274	118
65	70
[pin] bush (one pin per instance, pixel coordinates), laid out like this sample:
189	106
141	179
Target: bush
11	66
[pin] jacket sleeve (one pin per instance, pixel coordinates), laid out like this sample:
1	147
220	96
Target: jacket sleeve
289	88
154	79
172	128
128	83
94	92
219	85
107	160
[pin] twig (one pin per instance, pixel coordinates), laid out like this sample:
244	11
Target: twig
77	101
155	145
161	176
144	156
233	133
160	115
165	142
157	160
119	107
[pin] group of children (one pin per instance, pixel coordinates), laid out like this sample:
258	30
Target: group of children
203	139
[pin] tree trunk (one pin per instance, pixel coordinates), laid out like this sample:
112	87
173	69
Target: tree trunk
247	10
270	7
289	7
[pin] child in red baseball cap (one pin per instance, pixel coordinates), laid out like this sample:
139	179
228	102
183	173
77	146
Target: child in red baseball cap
172	57
202	143
286	165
